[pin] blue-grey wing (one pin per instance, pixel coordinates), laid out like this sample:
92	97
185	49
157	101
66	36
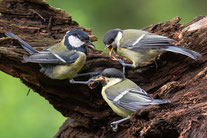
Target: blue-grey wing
155	41
46	57
130	99
148	40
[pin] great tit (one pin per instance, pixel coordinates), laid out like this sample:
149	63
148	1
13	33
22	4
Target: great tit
141	46
123	95
63	60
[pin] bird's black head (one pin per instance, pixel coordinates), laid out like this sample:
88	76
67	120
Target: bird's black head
110	36
113	73
77	39
111	39
110	76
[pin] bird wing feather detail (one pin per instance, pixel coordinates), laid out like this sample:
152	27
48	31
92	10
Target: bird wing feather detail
49	58
148	41
154	41
131	99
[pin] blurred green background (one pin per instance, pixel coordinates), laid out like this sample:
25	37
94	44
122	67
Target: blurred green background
32	116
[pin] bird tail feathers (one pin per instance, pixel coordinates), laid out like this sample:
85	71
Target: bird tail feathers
190	53
25	45
159	101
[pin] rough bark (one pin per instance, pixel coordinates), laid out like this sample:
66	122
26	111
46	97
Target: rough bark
178	78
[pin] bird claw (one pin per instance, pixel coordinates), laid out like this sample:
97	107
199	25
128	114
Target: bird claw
123	65
114	126
121	62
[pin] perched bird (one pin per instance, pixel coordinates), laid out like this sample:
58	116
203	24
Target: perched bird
123	95
63	60
141	46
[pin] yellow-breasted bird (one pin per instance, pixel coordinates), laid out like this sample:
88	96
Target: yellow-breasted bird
123	95
141	46
62	60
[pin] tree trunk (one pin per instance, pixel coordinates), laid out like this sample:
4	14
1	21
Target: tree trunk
178	77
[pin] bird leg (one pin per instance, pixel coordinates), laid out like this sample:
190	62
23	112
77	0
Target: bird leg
114	124
72	81
87	74
124	65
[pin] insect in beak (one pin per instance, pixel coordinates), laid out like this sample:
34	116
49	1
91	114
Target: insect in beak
110	48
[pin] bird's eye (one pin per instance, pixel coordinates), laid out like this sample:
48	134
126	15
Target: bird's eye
82	39
112	40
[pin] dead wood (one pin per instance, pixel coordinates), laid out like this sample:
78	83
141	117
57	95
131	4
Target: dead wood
178	78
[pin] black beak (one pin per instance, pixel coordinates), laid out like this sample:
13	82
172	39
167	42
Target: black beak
90	44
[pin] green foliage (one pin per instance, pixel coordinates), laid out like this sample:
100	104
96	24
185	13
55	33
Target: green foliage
102	15
25	116
32	116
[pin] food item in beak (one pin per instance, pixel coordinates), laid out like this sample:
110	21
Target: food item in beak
92	84
110	48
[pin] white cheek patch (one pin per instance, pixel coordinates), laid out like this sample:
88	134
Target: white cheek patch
75	41
117	39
